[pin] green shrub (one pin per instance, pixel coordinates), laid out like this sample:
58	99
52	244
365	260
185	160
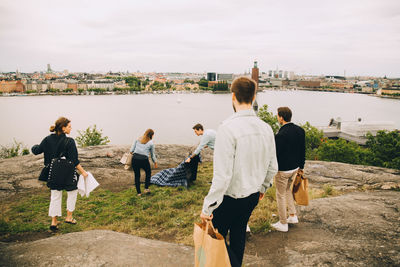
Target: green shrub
269	118
314	139
13	150
328	190
341	151
384	149
91	137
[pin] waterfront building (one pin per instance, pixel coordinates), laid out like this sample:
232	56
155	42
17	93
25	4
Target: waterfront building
255	73
225	77
309	84
211	76
11	86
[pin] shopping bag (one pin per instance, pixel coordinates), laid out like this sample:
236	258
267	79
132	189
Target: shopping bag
209	245
300	190
127	160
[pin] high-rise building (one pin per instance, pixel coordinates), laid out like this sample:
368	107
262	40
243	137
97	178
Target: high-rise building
49	69
255	72
211	76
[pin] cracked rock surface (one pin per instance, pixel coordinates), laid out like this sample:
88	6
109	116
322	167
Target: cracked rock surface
358	228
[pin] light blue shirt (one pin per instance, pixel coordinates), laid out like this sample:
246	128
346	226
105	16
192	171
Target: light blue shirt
144	149
244	159
207	139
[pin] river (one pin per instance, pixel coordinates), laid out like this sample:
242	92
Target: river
124	117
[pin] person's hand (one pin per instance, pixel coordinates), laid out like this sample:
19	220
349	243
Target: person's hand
300	171
85	174
131	153
188	160
155	165
261	196
205	217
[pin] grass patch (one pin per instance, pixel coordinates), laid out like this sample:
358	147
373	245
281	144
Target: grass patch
166	214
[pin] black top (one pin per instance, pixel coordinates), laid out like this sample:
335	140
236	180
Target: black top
49	147
290	147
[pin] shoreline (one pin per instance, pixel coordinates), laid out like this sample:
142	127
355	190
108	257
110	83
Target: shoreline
193	92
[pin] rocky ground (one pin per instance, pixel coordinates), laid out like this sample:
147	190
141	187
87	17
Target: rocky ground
361	227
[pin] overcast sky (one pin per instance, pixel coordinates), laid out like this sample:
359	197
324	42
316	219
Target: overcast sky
315	37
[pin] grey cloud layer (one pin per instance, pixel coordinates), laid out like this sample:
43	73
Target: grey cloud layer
226	36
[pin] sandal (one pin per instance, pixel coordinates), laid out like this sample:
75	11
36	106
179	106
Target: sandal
147	191
54	228
73	221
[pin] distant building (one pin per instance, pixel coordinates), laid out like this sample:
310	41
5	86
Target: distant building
225	77
12	87
392	88
211	76
309	84
255	72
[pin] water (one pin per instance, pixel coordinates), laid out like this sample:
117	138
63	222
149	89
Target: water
125	117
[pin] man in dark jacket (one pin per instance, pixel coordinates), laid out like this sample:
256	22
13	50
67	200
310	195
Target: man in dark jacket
290	152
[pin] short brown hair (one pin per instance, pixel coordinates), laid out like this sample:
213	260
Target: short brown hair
285	113
198	127
59	124
244	89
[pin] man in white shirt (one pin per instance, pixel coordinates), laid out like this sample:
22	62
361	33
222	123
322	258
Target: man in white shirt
207	140
244	166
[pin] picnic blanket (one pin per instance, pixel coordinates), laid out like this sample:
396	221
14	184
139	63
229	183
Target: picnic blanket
171	177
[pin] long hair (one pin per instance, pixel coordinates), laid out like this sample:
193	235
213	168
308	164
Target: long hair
59	124
147	136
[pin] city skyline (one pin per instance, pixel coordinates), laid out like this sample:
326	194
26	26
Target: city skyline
360	38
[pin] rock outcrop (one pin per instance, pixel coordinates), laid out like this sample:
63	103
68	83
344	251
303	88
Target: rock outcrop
360	227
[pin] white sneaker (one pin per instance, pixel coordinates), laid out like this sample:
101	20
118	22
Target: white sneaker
293	219
280	226
248	229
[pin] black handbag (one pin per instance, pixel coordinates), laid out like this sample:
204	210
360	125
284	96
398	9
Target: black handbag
62	172
44	174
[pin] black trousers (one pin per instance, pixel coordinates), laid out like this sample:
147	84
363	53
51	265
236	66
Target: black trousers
144	164
191	168
233	215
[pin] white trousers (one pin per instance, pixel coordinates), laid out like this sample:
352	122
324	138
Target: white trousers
56	199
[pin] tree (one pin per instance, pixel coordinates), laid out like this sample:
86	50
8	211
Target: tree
385	149
91	137
269	118
203	82
314	139
221	86
157	86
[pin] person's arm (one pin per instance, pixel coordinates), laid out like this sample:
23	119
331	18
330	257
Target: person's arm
72	153
272	169
203	143
81	170
133	146
224	155
302	148
153	155
38	149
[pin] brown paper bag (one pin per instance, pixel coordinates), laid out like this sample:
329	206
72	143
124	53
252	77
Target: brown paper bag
209	245
127	160
300	190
